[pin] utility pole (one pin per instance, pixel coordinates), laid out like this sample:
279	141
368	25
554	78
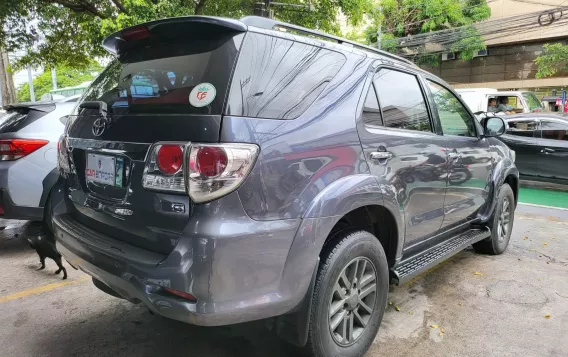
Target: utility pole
54	78
31	84
262	9
380	28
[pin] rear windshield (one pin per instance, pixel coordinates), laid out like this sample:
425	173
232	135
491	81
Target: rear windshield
185	77
18	118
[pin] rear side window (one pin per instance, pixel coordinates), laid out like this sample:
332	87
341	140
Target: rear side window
371	109
279	79
401	100
524	128
161	77
554	130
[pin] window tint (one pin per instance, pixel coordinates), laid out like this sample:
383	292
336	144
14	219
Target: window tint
17	119
524	128
554	130
454	117
278	78
371	109
160	77
401	100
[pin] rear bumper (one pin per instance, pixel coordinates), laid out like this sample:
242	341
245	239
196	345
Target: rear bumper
232	266
13	211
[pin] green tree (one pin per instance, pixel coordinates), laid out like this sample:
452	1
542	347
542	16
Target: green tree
66	77
406	18
553	59
69	32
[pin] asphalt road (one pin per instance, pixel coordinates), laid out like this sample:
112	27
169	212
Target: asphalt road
515	304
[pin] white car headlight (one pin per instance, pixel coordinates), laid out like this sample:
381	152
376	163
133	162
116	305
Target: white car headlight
513	155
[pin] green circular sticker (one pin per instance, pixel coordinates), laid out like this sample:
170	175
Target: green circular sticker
202	95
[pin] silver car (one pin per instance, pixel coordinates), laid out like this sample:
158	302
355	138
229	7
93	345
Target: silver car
28	157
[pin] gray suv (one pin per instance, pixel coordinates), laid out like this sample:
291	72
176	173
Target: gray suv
222	171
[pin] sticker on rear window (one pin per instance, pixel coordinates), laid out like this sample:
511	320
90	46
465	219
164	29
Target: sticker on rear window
202	95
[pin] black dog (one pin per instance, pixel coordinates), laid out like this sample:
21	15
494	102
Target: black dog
45	248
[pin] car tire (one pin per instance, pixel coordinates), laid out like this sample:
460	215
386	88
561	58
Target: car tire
361	257
501	224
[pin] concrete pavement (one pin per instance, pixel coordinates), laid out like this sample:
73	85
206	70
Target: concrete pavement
471	305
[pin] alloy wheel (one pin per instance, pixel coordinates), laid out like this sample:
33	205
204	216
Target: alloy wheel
352	301
504	220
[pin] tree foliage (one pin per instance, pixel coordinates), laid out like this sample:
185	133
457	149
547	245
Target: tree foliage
403	18
69	32
66	77
553	59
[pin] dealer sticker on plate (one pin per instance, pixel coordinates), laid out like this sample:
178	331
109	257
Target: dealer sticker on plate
104	169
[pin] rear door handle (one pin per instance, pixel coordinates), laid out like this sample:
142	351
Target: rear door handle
547	150
381	155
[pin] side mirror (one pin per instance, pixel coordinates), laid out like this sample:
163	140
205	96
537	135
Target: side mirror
494	126
64	119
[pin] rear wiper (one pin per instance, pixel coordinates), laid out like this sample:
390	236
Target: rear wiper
97	105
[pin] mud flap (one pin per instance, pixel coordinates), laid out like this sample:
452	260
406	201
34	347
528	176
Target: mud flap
293	327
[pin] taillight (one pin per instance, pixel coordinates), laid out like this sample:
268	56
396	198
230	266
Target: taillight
136	33
63	154
210	161
181	294
205	171
164	168
169	159
17	148
217	169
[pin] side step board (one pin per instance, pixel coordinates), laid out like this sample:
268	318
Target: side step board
419	263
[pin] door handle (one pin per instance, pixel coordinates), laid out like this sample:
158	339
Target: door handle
547	151
381	155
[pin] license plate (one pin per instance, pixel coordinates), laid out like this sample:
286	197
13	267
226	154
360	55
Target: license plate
104	169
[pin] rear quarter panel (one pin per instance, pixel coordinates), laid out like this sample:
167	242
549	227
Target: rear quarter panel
301	157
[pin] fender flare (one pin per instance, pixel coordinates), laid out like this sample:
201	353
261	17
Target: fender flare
501	171
327	208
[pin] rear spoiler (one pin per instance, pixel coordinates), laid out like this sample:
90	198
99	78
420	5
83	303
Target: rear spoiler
45	107
114	42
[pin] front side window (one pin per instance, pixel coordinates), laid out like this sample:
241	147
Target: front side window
554	130
454	117
401	100
524	128
278	78
509	104
371	109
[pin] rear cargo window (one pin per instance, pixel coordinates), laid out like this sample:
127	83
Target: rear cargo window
16	119
278	78
162	77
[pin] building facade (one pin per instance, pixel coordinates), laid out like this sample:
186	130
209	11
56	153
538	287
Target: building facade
508	63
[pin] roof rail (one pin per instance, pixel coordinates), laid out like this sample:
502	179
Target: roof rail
271	24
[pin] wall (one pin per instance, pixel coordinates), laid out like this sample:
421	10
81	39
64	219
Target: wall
508	66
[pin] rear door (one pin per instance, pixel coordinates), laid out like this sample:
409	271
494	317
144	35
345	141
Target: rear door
403	150
553	144
469	160
164	87
522	137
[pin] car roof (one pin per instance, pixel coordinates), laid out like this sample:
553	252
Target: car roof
538	115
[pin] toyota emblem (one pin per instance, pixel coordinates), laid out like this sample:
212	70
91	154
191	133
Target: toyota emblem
99	127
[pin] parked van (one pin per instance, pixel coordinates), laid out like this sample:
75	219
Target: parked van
521	101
